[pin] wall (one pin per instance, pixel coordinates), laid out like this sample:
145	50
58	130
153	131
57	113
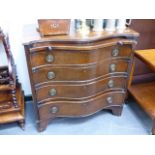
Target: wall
16	13
15	31
19	55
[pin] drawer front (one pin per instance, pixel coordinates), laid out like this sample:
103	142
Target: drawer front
81	108
61	57
49	74
5	106
5	101
80	91
5	96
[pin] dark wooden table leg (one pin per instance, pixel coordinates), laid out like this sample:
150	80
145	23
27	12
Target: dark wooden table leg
42	125
22	124
117	110
153	127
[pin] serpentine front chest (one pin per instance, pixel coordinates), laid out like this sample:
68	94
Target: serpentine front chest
74	75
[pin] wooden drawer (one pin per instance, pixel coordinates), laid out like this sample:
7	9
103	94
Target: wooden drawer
6	102
47	74
81	108
5	106
67	91
45	55
5	96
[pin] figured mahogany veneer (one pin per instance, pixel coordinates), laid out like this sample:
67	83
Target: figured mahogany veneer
39	56
81	108
83	73
74	76
76	91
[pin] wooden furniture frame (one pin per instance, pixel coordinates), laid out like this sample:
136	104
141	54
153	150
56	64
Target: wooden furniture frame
144	93
146	40
11	94
78	75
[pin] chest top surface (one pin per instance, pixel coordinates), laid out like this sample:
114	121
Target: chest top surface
31	35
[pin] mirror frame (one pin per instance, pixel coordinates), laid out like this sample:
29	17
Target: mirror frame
5	42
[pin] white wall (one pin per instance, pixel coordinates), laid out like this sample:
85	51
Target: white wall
15	35
14	30
13	16
17	13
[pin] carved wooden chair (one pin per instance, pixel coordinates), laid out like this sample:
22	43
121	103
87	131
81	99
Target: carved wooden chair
11	95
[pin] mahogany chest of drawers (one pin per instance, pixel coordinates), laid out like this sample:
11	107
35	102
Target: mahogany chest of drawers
75	76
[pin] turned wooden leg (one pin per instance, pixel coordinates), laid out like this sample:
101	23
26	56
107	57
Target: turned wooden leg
13	92
153	128
22	124
42	125
117	110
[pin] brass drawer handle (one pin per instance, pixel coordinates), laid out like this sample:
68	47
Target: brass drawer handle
120	43
49	48
34	69
115	52
52	92
54	110
49	58
109	100
51	75
111	84
112	67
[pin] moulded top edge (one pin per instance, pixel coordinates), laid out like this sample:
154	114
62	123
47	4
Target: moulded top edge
31	35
